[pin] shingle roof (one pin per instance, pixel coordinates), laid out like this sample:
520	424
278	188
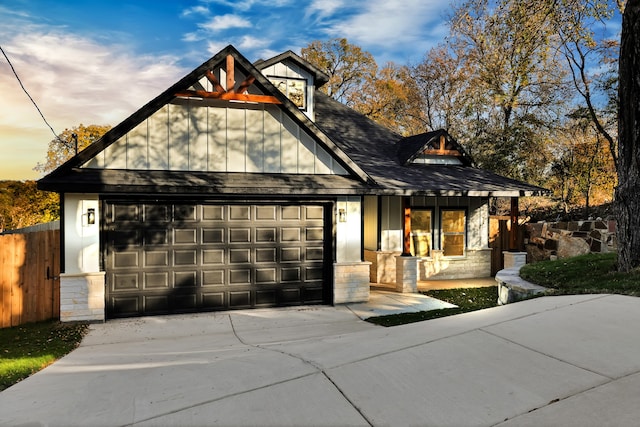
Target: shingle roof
375	149
375	156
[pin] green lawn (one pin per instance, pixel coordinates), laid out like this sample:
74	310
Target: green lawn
467	299
592	273
26	349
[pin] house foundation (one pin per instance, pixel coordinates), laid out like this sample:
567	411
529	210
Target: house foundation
82	297
351	282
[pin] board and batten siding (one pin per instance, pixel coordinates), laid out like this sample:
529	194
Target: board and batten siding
188	135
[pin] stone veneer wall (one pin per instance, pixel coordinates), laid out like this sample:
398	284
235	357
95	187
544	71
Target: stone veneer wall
567	239
475	263
351	282
82	297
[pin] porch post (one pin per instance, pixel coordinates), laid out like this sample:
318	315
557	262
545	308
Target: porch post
406	264
513	231
406	226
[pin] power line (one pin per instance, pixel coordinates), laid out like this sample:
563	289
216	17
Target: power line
32	100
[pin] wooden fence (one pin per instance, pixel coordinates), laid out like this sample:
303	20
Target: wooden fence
26	293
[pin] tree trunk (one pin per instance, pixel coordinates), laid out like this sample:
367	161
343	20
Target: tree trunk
628	190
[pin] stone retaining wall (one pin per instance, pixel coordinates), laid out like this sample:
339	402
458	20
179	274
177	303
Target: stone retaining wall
545	240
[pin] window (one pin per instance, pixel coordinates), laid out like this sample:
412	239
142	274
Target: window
453	232
294	89
421	232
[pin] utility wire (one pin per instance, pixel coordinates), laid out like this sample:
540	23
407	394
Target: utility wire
34	102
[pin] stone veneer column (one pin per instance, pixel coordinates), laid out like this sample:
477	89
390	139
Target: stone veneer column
514	259
407	274
351	282
82	297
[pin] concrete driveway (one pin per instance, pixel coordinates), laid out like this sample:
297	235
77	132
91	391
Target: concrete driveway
572	360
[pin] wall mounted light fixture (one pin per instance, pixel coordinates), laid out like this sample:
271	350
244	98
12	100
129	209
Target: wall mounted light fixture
342	215
91	216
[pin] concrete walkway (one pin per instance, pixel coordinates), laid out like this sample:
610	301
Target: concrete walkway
570	360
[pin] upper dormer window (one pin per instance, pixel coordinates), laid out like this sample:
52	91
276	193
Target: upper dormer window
295	89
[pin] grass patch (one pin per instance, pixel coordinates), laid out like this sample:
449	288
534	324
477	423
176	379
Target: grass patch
591	273
467	299
26	349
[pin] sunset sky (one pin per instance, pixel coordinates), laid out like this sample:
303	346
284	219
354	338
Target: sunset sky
96	62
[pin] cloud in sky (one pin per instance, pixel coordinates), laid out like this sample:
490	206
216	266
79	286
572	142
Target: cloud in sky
225	22
73	80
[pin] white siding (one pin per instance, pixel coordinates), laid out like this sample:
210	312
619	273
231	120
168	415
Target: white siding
198	139
190	136
158	139
81	240
178	137
349	229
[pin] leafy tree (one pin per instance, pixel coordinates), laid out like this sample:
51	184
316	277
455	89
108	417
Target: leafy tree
384	97
574	21
63	148
348	66
515	83
628	191
22	205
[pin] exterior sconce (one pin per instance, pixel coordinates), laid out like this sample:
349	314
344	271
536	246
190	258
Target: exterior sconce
342	215
91	216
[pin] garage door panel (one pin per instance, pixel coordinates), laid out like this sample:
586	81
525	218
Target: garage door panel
126	306
240	277
291	213
184	236
212	256
213	213
182	257
265	255
239	213
266	297
266	213
156	280
126	259
185	257
213	278
265	235
156	236
156	213
184	279
213	235
239	256
124	282
241	299
266	275
314	254
239	235
156	258
156	304
290	255
290	274
184	213
213	300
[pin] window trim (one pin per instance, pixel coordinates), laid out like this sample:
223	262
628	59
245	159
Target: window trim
464	233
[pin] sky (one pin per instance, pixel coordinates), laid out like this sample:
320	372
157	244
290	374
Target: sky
97	62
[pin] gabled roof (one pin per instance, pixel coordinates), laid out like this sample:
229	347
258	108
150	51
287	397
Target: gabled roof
375	148
320	76
437	142
66	172
378	159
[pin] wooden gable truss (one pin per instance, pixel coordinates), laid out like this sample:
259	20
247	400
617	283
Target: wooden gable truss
230	65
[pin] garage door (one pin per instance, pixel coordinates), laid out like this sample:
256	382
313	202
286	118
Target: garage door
175	257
